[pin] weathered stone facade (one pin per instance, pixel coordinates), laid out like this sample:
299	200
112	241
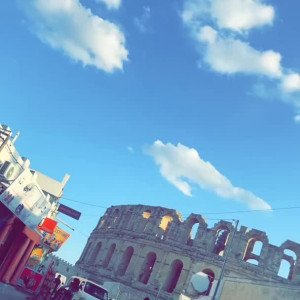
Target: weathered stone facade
153	254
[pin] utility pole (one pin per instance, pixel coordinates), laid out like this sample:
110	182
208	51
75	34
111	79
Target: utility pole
214	297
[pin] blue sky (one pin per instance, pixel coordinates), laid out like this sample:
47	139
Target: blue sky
166	103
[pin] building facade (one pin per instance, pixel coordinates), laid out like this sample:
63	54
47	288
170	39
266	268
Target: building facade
26	198
150	253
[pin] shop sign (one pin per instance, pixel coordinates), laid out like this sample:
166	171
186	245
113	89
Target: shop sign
30	279
69	211
26	200
36	257
48	225
56	239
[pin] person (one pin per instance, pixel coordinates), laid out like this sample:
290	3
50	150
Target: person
67	292
57	283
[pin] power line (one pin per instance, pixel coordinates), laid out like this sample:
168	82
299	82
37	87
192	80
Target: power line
84	203
204	213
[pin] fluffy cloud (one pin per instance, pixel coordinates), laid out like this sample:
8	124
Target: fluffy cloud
241	15
111	4
231	56
291	83
236	15
70	27
219	28
181	165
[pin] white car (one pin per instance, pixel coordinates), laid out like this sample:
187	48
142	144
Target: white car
88	290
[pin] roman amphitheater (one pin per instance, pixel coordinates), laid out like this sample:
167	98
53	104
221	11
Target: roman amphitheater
148	253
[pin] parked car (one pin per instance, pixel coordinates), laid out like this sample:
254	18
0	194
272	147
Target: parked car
78	288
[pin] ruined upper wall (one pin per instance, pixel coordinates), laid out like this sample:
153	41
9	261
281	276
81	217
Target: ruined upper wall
250	247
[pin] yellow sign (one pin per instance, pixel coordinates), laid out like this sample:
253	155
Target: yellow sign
56	239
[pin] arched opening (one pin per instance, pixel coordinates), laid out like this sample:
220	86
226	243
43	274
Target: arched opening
173	277
146	214
147	298
95	252
257	248
287	264
194	226
221	241
147	267
284	269
126	258
109	255
165	222
253	250
202	282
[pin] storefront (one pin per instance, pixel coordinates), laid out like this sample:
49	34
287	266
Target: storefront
16	244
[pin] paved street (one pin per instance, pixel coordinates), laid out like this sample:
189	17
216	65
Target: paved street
11	293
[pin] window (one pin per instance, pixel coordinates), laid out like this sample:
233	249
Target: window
95	252
221	241
173	277
125	261
147	267
109	255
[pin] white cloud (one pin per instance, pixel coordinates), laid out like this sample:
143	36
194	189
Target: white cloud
235	15
241	15
291	83
181	165
70	27
111	4
219	29
229	55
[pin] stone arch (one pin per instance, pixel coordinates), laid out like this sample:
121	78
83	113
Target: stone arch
173	276
147	214
95	252
254	248
193	225
125	261
290	251
109	255
147	267
165	222
221	239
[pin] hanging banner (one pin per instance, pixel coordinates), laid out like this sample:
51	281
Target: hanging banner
36	257
71	212
48	225
56	239
26	200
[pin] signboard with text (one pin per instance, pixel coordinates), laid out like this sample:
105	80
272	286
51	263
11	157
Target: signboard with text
56	239
69	211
